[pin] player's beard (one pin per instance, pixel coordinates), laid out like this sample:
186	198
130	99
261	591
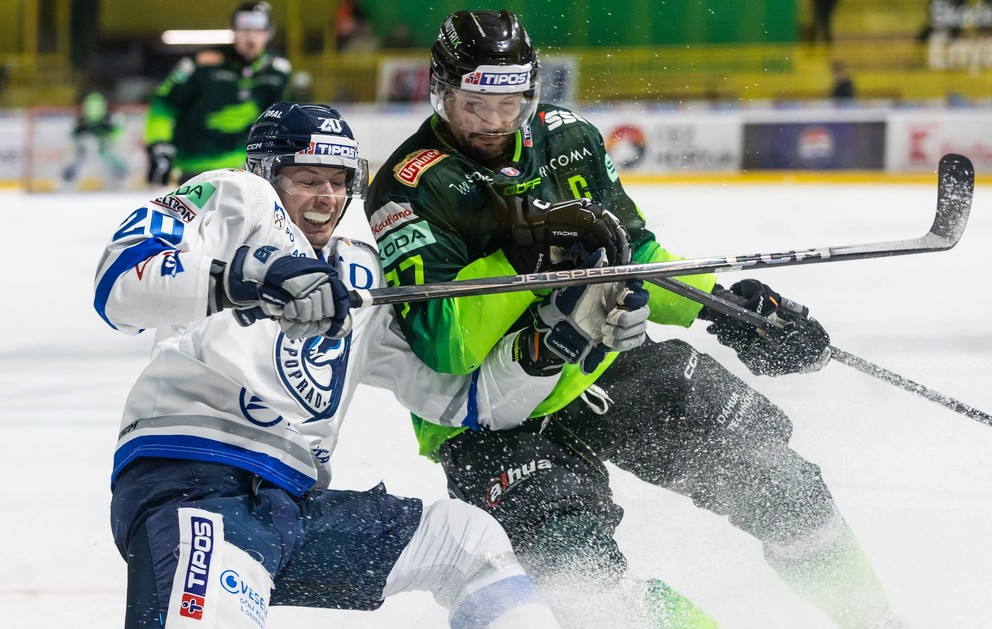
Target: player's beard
487	149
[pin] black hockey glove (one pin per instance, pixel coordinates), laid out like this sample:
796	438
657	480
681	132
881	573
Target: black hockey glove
801	346
160	158
303	294
580	324
562	235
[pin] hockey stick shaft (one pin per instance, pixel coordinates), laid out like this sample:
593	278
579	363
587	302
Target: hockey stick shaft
728	308
902	382
956	180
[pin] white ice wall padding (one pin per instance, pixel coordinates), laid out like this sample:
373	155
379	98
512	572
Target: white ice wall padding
36	144
48	148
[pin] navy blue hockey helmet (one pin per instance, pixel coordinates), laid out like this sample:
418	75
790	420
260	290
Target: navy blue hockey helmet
288	134
486	53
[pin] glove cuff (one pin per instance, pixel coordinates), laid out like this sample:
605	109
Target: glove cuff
215	292
535	359
217	298
239	290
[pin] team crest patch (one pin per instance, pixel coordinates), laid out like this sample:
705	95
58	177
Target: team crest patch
313	371
415	164
510	171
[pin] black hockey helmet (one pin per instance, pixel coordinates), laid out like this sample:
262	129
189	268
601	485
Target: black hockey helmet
254	16
484	52
288	134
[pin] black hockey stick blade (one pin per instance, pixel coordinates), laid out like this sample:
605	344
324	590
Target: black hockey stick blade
956	184
718	304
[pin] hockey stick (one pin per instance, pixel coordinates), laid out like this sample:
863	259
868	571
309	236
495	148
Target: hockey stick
872	369
718	304
955	185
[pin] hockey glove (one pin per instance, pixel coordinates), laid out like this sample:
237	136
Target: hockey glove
800	346
160	158
580	324
319	313
303	293
626	325
546	235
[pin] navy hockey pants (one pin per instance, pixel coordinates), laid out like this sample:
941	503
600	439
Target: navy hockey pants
329	549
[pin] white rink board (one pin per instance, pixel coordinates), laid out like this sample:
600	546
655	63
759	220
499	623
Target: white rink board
49	149
650	140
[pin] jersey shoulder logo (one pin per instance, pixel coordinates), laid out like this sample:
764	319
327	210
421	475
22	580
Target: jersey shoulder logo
557	117
279	219
171	265
178	207
409	171
197	194
403	241
389	217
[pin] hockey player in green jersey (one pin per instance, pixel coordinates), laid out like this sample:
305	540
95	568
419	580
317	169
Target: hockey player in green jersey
199	116
97	128
488	186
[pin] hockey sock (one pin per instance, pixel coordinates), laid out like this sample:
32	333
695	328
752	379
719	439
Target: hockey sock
670	610
829	569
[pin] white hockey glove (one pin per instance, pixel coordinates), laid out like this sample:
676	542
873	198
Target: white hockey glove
626	325
318	313
304	294
580	324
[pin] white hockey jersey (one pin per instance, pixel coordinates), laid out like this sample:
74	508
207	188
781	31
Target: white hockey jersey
249	396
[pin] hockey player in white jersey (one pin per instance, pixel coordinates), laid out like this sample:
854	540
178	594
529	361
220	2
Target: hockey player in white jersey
220	501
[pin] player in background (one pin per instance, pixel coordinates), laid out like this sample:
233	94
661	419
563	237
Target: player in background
96	127
199	116
473	193
221	504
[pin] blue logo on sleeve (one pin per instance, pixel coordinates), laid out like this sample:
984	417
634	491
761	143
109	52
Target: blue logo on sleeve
171	265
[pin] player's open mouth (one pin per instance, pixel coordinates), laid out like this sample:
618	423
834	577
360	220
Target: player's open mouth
316	217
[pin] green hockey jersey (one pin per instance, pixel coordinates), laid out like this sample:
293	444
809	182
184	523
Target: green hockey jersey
209	101
437	215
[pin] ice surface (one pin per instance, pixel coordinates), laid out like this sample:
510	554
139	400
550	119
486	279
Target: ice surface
913	478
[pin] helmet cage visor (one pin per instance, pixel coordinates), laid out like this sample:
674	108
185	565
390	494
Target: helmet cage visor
332	151
355	185
491	100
